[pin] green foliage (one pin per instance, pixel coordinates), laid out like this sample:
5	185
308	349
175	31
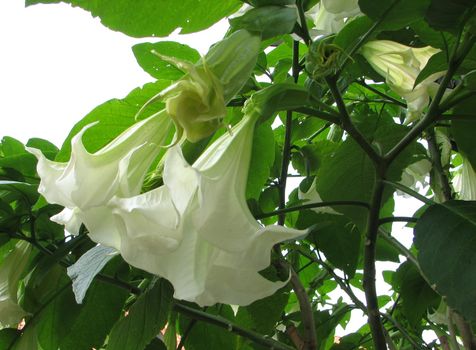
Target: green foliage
444	236
150	18
145	319
158	68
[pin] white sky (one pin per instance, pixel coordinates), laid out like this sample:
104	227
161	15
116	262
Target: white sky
57	63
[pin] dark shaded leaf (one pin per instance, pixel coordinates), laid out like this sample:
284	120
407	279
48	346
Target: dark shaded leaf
146	317
445	236
403	12
417	296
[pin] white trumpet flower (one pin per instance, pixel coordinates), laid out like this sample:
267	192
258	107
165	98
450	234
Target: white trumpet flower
11	269
401	65
196	230
90	180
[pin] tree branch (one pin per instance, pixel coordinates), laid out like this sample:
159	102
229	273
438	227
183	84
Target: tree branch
369	264
347	124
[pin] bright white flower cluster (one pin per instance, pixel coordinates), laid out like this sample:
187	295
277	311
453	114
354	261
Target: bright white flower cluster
195	230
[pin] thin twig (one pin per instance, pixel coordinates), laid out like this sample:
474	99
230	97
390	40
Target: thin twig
386	220
312	206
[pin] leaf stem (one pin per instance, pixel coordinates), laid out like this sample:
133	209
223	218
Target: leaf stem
409	191
312	206
385	96
390	219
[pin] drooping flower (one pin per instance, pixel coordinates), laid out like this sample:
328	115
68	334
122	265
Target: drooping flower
329	16
11	269
465	181
196	230
197	102
401	65
90	180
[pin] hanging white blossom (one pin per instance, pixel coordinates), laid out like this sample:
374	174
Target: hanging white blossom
401	65
196	230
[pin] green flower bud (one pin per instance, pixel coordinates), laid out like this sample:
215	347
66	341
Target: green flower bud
323	59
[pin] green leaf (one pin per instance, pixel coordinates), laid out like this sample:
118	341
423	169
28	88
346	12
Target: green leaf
46	147
13	155
463	130
403	12
263	315
143	18
447	14
87	267
114	117
338	238
101	308
437	63
431	36
146	317
156	66
205	336
445	236
352	32
417	296
22	190
348	173
269	21
262	159
7	336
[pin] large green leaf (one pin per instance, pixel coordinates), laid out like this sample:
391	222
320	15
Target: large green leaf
447	14
113	117
463	130
156	66
348	173
339	239
417	296
445	236
402	13
145	319
262	159
101	309
142	18
205	336
263	315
